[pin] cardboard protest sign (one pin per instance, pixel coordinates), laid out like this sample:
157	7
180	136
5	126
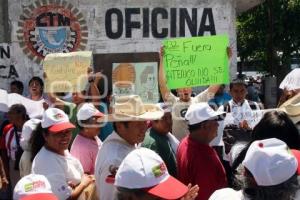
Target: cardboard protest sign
66	72
33	108
291	80
196	61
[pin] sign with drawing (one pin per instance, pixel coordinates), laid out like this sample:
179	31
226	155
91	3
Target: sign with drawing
136	78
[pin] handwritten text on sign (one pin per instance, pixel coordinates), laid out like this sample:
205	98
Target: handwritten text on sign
196	61
67	72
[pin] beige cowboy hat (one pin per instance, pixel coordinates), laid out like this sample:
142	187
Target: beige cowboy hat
131	108
292	108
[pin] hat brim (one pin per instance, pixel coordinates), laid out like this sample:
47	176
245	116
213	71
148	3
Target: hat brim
44	196
61	127
296	153
152	113
162	190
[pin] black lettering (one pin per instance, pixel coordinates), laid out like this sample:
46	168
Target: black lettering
39	20
131	24
1	74
184	18
63	21
51	18
108	23
13	72
207	14
146	23
173	31
4	52
164	15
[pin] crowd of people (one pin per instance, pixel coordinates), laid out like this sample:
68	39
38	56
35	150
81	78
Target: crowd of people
202	147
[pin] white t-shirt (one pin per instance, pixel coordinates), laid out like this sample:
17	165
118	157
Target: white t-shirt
59	170
179	127
227	194
113	150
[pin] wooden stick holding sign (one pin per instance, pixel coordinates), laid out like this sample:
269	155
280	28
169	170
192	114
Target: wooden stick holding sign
196	61
67	72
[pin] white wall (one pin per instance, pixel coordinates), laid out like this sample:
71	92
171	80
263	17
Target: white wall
224	14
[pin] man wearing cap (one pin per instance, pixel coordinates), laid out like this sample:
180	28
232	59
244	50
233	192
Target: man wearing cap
269	172
86	144
197	162
148	179
129	120
160	140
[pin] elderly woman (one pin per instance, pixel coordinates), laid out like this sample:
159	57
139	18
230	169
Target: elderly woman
54	161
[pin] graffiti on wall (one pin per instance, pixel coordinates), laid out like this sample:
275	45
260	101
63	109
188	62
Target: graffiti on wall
50	27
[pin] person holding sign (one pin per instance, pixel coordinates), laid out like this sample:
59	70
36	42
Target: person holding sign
184	99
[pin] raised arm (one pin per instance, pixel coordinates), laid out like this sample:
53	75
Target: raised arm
165	92
93	90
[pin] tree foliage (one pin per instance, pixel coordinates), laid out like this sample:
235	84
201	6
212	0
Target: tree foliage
257	26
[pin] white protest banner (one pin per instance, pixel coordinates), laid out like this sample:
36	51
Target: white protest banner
67	72
291	80
33	108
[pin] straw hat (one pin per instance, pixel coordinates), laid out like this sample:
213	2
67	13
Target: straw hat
131	108
292	108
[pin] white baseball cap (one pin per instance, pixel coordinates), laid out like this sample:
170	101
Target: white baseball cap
88	110
270	162
144	169
27	129
166	107
201	112
226	194
32	187
56	120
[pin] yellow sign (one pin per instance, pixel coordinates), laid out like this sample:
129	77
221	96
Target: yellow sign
66	72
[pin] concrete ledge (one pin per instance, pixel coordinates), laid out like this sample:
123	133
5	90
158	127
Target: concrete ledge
244	5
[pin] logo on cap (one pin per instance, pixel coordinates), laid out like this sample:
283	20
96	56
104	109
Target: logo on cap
58	116
159	170
34	185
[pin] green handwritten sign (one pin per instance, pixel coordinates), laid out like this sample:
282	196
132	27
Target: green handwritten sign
196	61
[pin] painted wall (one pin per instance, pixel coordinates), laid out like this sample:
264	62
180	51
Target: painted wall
109	26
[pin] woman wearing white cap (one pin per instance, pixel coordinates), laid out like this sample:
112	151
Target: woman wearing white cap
270	172
54	161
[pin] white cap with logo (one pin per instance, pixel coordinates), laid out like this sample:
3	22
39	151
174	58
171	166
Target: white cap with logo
270	162
150	173
56	120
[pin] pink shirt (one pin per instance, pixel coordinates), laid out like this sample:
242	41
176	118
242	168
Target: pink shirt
85	150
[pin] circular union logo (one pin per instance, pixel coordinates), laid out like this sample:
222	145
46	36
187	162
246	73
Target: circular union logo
51	27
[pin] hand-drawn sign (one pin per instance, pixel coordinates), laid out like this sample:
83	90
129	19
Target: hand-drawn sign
51	27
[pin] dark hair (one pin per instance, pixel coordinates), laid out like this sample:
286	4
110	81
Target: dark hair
195	126
286	190
19	109
277	124
18	84
126	194
274	124
115	127
237	81
38	79
37	140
